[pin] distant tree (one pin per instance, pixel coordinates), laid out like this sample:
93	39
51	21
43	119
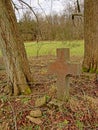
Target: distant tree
90	62
74	22
28	27
13	51
55	27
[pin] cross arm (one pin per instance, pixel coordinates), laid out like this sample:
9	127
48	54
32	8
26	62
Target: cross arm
74	68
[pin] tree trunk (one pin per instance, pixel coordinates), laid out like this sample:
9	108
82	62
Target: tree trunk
13	51
90	63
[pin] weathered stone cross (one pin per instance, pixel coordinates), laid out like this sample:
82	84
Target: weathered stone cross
62	68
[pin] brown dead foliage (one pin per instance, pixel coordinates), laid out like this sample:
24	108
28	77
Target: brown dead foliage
80	112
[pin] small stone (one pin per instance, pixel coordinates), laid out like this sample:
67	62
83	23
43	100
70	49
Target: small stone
56	103
40	101
36	113
37	121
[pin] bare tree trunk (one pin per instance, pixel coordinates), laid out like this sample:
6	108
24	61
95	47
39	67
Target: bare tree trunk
13	51
90	63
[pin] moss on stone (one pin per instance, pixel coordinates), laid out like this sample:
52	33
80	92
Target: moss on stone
84	69
27	91
97	71
92	70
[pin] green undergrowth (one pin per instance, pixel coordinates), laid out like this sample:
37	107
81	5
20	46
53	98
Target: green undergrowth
84	69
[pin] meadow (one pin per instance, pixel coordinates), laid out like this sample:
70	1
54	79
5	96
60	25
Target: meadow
49	48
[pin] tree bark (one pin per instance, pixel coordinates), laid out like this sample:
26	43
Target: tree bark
90	63
13	50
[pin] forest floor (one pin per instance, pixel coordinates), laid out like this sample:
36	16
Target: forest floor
79	112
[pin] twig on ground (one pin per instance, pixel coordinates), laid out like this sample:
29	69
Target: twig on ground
14	115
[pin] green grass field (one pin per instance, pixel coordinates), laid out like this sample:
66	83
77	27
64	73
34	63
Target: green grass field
49	48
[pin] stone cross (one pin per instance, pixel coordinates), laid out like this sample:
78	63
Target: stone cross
62	68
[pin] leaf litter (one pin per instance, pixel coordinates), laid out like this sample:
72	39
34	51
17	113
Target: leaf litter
80	112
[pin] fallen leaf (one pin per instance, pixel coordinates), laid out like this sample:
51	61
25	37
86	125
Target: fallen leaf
36	113
40	101
34	120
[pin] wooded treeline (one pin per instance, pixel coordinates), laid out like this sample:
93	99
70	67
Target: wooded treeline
55	27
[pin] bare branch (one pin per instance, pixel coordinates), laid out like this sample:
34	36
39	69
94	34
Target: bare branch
22	2
79	14
15	7
43	11
30	9
78	6
14	115
76	14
